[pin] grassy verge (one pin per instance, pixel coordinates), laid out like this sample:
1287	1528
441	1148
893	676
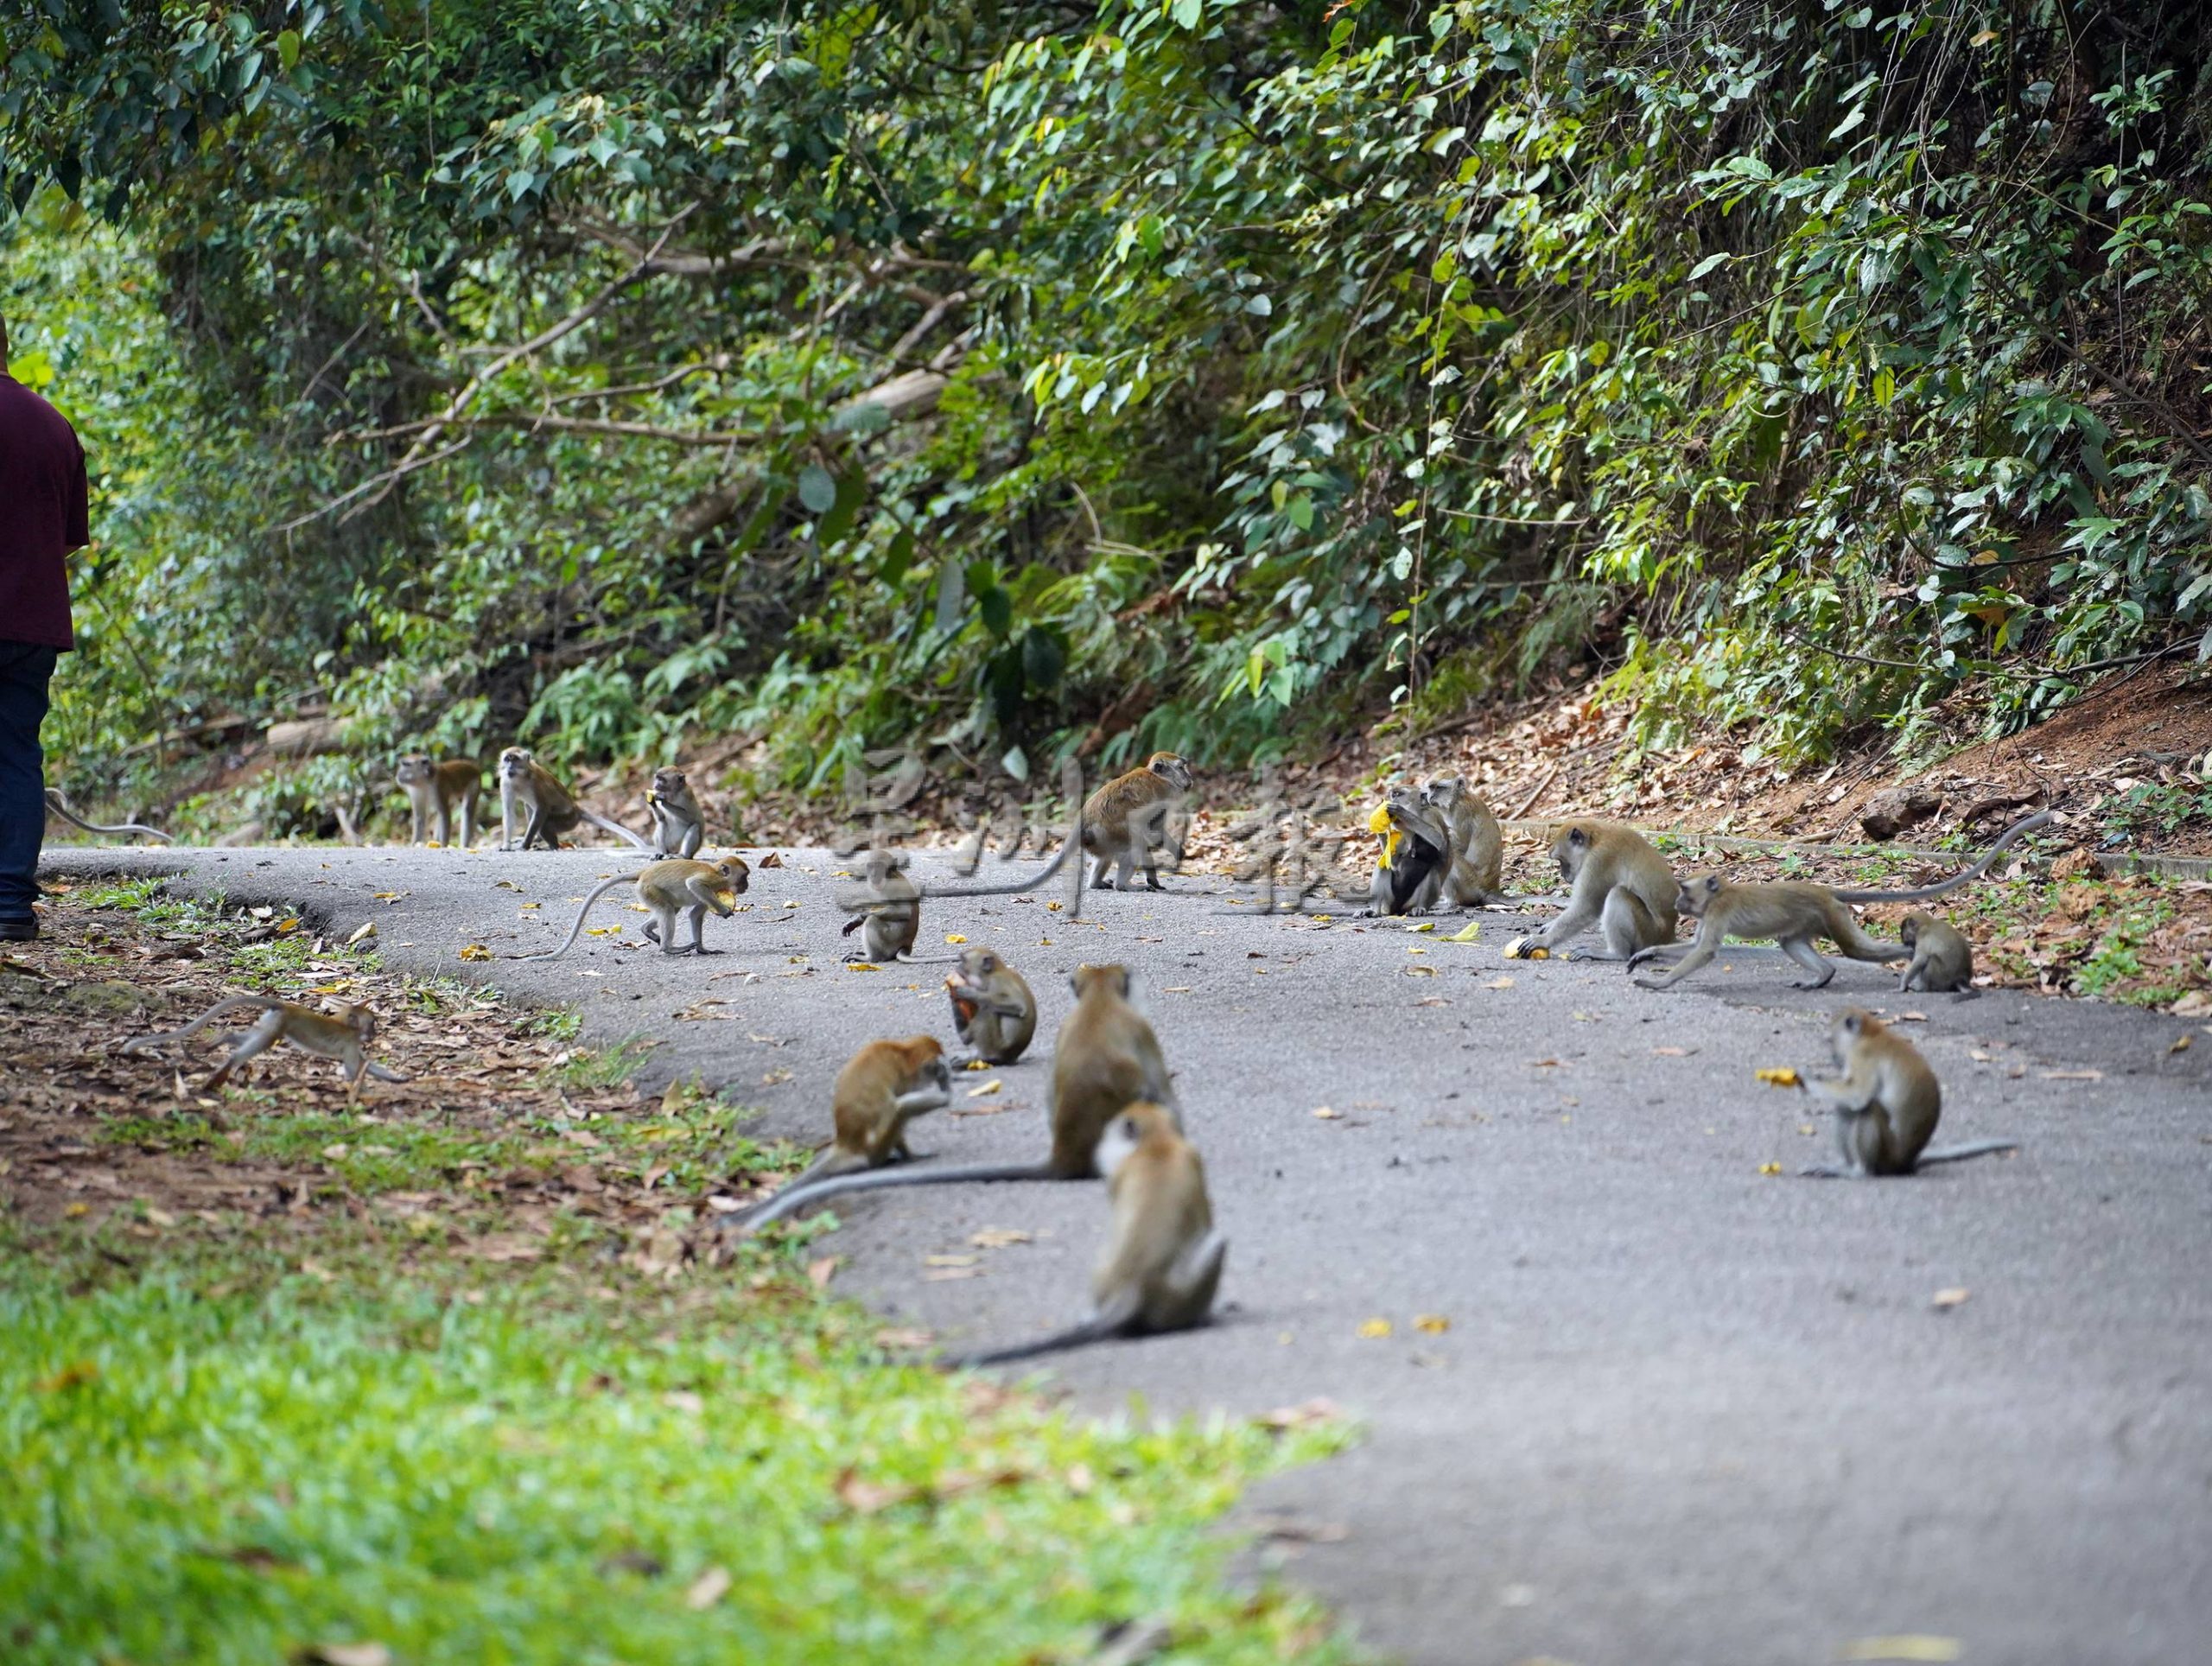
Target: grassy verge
459	1399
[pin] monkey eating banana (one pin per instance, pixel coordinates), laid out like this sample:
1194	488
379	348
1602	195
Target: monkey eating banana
1886	1103
1416	852
993	1008
552	809
437	790
669	888
1163	1256
679	825
58	803
1105	1058
1620	884
883	1088
344	1037
1794	912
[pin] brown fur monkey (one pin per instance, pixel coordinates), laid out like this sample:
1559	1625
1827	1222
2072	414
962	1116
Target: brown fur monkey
1621	885
1105	1060
892	913
1943	960
551	808
344	1037
883	1088
1163	1258
992	1006
1886	1103
1794	912
679	825
1127	820
1478	842
669	888
435	792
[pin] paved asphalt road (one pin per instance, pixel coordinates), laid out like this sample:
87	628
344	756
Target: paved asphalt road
1684	1412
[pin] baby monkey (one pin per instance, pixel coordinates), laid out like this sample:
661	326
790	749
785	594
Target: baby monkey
993	1008
1943	960
344	1037
669	888
1163	1258
679	825
883	1088
437	790
1886	1103
57	802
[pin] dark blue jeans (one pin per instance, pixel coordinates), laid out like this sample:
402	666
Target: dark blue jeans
24	672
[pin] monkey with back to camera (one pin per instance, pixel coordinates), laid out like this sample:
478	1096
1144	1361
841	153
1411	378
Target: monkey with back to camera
1886	1103
669	888
1126	821
883	1088
435	792
344	1037
1620	884
1943	960
1794	912
1105	1058
1164	1256
993	1008
1416	853
679	825
57	802
1476	863
551	810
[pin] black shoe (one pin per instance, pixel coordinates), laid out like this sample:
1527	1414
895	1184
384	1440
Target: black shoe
18	931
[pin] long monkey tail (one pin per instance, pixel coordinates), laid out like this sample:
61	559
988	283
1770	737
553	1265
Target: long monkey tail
1071	786
577	930
797	1196
1958	1153
228	1004
2027	825
618	831
1075	1336
58	802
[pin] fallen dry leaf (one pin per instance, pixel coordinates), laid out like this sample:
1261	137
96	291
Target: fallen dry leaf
1468	933
1499	982
475	951
2181	1044
819	1273
366	929
1911	1646
347	1654
954	937
1770	1168
866	1497
1425	925
1782	1076
1302	1416
1671	1052
1374	1329
1327	1112
949	1260
999	1237
891	1338
709	1588
1421	972
1434	1324
2073	1076
1950	1297
862	966
982	1088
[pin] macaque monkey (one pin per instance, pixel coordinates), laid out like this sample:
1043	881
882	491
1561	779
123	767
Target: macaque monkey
1127	820
1478	842
344	1037
1885	1104
57	802
1943	960
1105	1060
1416	853
992	1007
434	789
1163	1258
1794	912
669	887
1620	885
892	913
679	827
882	1087
552	807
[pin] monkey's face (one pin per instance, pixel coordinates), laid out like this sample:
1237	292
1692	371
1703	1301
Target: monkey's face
362	1022
1442	792
414	769
734	871
1909	928
514	764
1171	769
1570	850
1085	978
1693	897
668	783
1844	1034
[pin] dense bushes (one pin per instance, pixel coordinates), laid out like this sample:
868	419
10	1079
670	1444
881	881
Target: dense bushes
1010	379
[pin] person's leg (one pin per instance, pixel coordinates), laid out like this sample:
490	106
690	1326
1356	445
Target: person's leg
24	673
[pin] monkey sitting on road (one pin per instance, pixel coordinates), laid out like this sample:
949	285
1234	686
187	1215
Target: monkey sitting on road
1943	960
1164	1258
344	1037
436	790
1477	859
1621	885
1105	1058
1126	821
1886	1103
679	826
1794	912
58	802
992	1006
883	1088
552	809
892	914
669	888
1416	853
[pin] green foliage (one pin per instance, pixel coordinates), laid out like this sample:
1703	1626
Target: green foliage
1201	372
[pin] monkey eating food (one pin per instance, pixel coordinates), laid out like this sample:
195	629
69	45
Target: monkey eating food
1105	1058
1416	852
58	803
1621	885
1886	1103
434	792
1794	912
679	825
993	1008
344	1037
669	888
552	810
1163	1257
883	1088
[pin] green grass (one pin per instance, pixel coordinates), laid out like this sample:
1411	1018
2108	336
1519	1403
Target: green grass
220	1461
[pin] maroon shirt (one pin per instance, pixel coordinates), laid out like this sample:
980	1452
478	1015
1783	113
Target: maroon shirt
44	515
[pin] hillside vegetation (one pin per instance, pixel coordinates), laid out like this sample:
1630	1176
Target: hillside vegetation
1008	380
